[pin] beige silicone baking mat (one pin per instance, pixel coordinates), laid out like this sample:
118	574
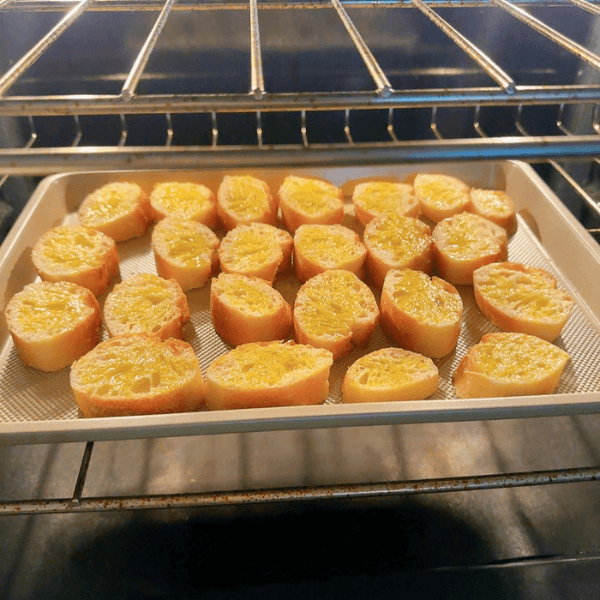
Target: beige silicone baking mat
37	406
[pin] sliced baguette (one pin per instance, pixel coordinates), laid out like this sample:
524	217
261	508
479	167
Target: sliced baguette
185	251
374	198
465	242
247	309
441	196
137	374
243	199
509	364
120	210
268	374
420	313
496	206
146	303
397	242
335	310
77	254
186	200
522	299
390	375
53	323
318	248
306	200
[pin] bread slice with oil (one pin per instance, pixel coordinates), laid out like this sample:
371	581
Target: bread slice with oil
268	374
318	248
390	375
421	313
137	374
441	196
335	310
243	199
247	309
510	364
374	198
494	205
77	254
186	200
121	210
146	303
53	323
524	299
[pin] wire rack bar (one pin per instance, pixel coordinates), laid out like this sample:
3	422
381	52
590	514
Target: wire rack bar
257	85
592	8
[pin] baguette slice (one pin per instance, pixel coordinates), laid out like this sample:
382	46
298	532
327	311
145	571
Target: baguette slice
247	309
243	199
374	198
390	375
305	200
441	196
268	374
420	313
522	299
335	310
318	248
53	323
138	374
77	254
496	206
397	242
509	364
147	303
465	242
185	251
120	210
185	200
257	249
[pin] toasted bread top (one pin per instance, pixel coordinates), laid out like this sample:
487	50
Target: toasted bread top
183	199
249	295
329	246
494	205
246	199
374	198
310	196
110	203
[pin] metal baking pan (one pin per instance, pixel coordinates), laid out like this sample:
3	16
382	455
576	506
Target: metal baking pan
38	407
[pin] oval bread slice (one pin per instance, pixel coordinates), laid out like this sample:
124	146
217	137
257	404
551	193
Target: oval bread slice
306	200
247	309
335	310
137	374
146	303
257	249
397	242
185	251
496	206
465	242
441	196
509	364
186	200
120	210
318	248
268	374
390	375
522	299
420	313
77	254
374	198
53	323
245	199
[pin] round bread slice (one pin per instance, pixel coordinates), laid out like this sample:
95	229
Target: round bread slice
120	210
53	323
420	313
146	303
77	254
243	199
268	374
335	310
185	251
509	364
305	200
257	249
318	248
247	309
397	242
522	299
390	375
465	242
441	196
374	198
496	206
186	200
137	374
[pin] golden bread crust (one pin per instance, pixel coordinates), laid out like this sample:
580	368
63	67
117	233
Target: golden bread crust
243	199
441	196
496	206
374	198
185	200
